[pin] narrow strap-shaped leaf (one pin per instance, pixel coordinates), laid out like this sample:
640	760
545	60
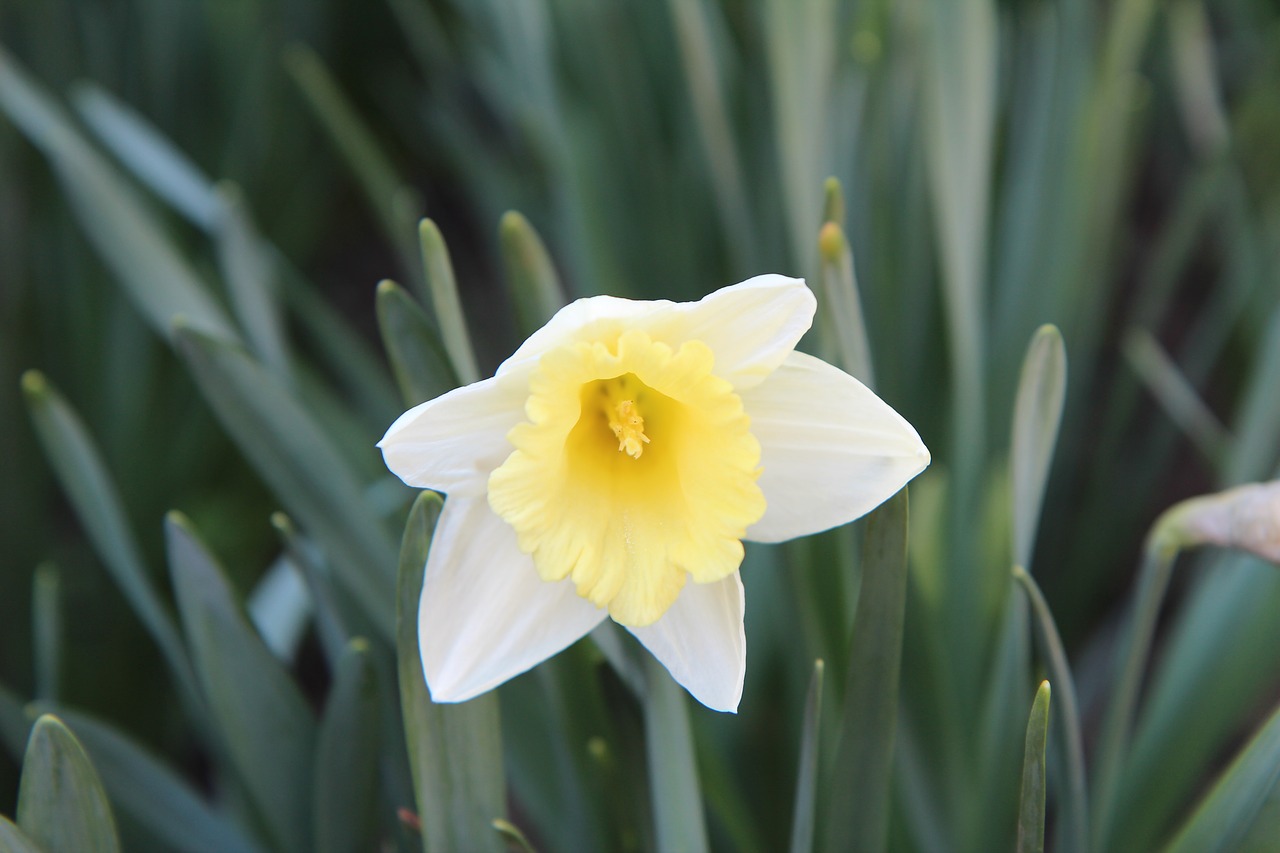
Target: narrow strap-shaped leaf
156	278
1077	802
1226	815
1037	412
802	820
1175	393
1034	782
297	460
844	305
331	618
413	346
857	812
269	730
153	795
347	757
692	22
91	490
679	822
14	840
144	150
46	629
356	365
352	137
248	267
535	286
61	803
444	300
455	750
833	206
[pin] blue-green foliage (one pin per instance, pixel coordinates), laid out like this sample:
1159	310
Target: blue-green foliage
199	200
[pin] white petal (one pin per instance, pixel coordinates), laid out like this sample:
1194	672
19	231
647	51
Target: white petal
751	327
485	615
831	450
453	442
591	318
701	642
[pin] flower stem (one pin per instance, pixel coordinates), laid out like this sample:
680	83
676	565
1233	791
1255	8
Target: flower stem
1157	565
1060	672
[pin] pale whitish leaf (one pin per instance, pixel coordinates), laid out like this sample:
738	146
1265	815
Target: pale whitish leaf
413	347
531	276
1034	781
444	300
280	608
297	460
126	234
1227	814
802	820
152	158
92	492
331	617
346	781
61	804
455	751
269	732
14	840
1037	412
151	794
857	811
673	774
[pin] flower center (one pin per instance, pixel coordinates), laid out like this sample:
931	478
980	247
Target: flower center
636	469
628	428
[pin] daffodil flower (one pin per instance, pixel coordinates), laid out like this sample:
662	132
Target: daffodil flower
613	466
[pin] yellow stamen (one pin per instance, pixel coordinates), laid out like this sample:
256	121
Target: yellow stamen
635	471
628	428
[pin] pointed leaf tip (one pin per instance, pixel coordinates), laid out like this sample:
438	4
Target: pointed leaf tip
34	384
61	802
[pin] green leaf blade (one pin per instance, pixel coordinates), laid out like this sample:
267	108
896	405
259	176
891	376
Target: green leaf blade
347	756
1225	817
417	357
857	814
1037	413
297	460
1034	782
268	727
152	795
455	750
84	477
61	803
678	815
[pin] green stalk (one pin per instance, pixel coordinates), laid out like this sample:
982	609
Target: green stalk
1157	566
1060	670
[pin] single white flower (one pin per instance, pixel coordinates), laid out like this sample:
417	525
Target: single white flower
613	466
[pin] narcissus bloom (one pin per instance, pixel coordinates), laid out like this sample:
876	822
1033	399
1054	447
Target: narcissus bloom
612	468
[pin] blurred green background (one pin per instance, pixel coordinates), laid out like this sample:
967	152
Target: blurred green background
1110	168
